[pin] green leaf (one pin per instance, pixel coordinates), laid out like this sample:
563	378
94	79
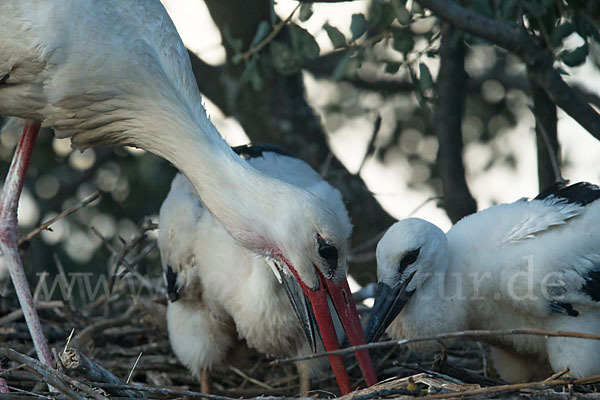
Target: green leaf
381	15
261	32
342	67
401	12
285	60
392	67
358	26
425	79
575	57
337	38
306	11
235	44
303	42
252	74
403	42
561	32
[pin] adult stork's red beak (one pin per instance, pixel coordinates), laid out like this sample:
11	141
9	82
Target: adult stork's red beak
341	297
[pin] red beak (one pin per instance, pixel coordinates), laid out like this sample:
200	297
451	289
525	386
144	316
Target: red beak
341	298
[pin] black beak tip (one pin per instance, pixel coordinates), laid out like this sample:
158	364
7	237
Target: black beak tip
372	333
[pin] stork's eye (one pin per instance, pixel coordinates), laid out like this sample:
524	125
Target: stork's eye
328	252
409	258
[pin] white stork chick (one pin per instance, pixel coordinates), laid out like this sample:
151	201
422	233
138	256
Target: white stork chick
528	264
219	291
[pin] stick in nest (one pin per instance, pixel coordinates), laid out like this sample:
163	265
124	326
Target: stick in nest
73	360
53	377
452	335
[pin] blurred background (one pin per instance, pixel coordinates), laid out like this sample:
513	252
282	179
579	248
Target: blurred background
406	115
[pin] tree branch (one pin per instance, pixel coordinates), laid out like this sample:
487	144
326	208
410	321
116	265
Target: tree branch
323	66
546	138
538	60
447	121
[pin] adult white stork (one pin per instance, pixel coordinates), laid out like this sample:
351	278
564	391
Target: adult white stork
528	264
221	292
116	72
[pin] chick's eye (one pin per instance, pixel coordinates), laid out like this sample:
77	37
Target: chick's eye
409	258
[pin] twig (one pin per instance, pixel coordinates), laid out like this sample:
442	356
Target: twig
18	313
251	379
63	278
423	204
451	335
88	333
557	375
69	340
60	216
495	390
276	29
118	257
19	397
137	360
173	392
551	154
74	360
371	145
51	376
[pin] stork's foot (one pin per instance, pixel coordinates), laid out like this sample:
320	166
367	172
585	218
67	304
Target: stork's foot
304	378
9	234
205	382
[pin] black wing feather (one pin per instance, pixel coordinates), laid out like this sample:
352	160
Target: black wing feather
247	151
582	193
592	285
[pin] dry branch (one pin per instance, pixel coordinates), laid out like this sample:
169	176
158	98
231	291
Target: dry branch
497	390
18	313
447	122
87	200
51	376
73	360
86	335
472	334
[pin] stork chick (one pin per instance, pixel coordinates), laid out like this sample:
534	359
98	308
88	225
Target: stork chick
528	264
219	291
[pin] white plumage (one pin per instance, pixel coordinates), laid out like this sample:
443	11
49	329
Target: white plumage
116	72
529	264
221	292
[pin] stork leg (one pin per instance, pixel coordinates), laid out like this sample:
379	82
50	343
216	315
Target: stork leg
205	382
9	201
304	378
3	384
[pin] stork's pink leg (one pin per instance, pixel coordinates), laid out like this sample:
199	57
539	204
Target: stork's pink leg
3	384
9	234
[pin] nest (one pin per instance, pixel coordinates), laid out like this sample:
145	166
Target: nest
120	350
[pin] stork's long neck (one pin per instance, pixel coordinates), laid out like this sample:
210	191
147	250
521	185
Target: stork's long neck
242	198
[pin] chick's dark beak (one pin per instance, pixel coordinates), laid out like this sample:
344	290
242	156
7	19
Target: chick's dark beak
389	301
